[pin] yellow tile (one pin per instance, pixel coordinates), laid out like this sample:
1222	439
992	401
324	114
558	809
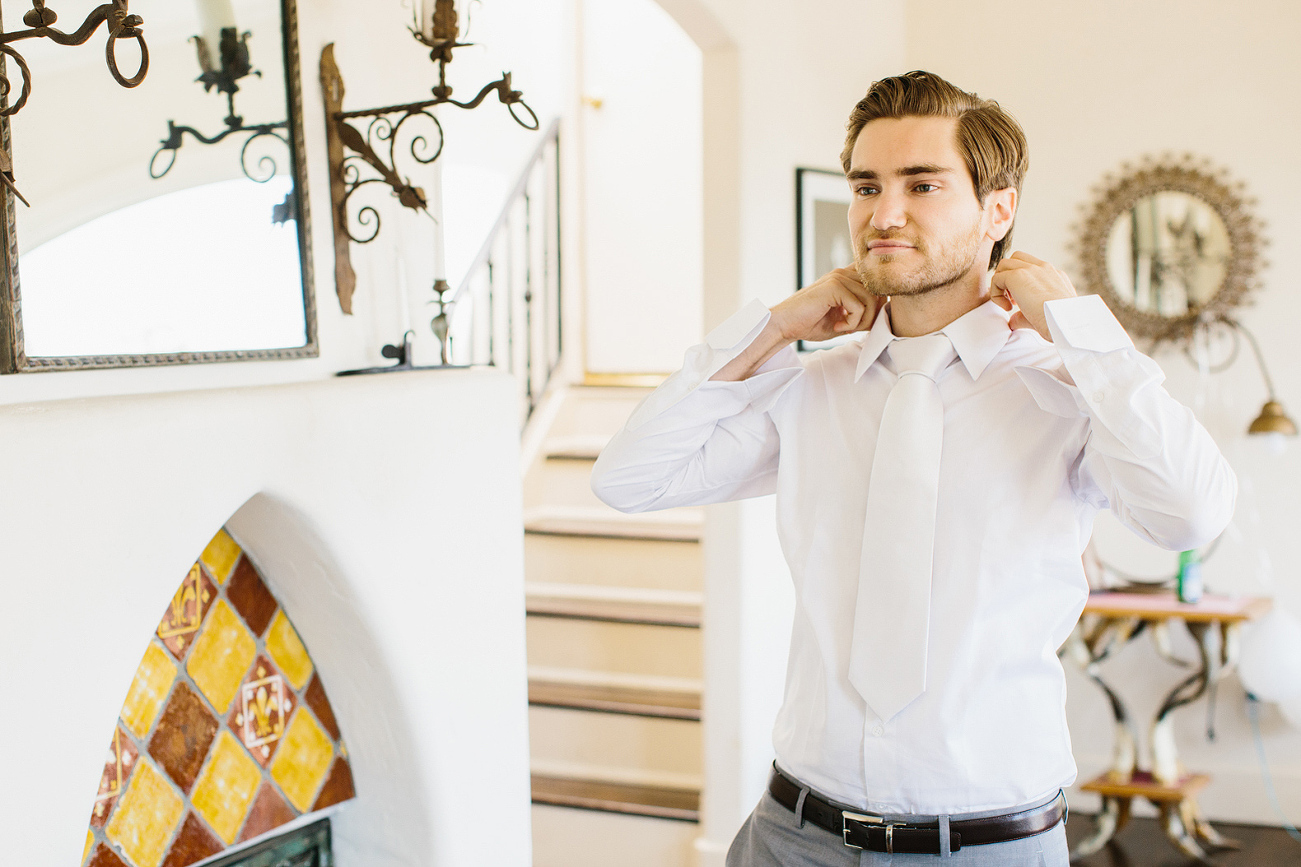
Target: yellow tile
302	760
221	655
146	816
220	555
287	651
224	791
90	841
148	691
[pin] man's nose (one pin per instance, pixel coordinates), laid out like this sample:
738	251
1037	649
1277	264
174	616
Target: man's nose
889	213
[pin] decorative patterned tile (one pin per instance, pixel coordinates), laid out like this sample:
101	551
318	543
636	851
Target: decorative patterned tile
262	710
105	857
148	691
302	761
145	818
221	656
269	811
185	613
122	755
90	842
250	596
226	787
220	556
338	786
183	736
288	652
193	843
320	705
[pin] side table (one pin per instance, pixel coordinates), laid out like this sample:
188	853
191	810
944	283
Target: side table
1110	621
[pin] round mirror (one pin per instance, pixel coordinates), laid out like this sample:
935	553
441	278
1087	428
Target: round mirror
1169	245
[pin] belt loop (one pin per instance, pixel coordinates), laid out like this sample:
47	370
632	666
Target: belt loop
945	842
799	807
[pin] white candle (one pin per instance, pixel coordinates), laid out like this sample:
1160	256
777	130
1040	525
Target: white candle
214	15
425	15
436	211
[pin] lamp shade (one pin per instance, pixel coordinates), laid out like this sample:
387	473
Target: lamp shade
1273	420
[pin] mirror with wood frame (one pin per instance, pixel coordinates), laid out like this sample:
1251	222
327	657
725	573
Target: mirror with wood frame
1169	244
168	224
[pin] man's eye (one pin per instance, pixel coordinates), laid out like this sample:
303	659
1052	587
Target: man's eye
925	188
865	191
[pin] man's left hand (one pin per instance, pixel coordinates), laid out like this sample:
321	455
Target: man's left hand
1024	284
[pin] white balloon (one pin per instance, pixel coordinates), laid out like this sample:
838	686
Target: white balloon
1270	664
1290	707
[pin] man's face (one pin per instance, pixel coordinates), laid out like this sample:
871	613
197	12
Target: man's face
914	217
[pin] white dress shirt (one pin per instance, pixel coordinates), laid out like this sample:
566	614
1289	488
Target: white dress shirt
1038	436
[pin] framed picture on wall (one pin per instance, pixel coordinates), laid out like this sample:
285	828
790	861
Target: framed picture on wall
822	240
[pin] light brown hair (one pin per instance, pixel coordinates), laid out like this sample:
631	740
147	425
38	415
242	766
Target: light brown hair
989	139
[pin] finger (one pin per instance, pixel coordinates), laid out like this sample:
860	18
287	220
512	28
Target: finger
1002	301
1018	320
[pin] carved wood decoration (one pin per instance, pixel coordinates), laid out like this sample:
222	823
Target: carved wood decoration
345	278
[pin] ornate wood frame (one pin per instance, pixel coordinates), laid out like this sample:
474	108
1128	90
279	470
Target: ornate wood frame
1187	174
13	357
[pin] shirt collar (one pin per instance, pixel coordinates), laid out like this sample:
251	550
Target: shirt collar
977	337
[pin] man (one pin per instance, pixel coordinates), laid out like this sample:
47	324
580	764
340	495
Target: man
936	483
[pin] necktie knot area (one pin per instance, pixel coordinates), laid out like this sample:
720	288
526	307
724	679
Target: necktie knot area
927	355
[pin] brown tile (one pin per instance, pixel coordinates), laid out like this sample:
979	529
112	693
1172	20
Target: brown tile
185	613
183	736
261	710
194	843
105	857
269	811
320	705
250	596
338	786
122	755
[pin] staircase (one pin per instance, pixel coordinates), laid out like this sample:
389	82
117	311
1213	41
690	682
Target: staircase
614	645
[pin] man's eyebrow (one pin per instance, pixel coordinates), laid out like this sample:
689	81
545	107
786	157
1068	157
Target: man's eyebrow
906	171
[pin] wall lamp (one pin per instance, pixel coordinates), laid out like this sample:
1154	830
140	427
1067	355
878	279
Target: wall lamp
1272	418
358	160
40	21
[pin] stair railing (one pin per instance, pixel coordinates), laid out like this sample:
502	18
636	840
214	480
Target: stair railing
507	311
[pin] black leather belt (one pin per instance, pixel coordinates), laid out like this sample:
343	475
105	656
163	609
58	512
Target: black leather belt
878	834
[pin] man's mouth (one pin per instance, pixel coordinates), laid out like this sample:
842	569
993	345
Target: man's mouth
885	247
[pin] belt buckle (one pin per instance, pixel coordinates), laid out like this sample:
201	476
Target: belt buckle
874	821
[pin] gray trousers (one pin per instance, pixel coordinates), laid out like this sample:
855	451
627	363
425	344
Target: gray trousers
772	837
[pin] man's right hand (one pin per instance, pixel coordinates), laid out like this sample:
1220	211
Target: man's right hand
834	304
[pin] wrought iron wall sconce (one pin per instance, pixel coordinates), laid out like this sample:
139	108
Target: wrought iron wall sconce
360	159
1272	418
40	21
235	64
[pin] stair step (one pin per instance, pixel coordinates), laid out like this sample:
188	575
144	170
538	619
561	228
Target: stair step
645	607
628	649
576	447
657	801
681	525
606	698
637	563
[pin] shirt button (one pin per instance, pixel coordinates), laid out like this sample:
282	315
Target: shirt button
878	730
1099	396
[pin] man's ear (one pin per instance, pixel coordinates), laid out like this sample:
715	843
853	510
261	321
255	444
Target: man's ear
1000	209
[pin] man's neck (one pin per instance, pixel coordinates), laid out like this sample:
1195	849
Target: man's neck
915	315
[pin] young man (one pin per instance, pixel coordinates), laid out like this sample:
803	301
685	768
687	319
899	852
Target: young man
936	484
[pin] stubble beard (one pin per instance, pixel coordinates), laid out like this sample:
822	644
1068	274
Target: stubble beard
950	263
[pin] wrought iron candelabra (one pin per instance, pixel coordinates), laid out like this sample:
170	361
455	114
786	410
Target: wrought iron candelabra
235	64
361	159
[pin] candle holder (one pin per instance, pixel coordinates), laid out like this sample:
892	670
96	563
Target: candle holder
359	160
40	21
235	64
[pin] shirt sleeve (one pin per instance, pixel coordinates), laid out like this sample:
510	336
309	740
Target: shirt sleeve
1146	457
693	441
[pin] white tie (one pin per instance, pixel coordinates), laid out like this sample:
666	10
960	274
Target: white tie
887	660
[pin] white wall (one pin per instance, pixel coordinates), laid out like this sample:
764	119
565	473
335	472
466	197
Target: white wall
1094	86
385	515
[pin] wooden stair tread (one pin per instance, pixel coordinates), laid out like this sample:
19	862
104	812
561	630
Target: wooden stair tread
636	701
663	526
615	610
656	801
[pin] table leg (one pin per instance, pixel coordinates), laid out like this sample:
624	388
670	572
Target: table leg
1179	834
1105	825
1165	757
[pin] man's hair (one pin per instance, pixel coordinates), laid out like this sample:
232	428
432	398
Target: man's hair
989	139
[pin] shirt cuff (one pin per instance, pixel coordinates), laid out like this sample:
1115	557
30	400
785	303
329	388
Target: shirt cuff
1102	377
724	343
